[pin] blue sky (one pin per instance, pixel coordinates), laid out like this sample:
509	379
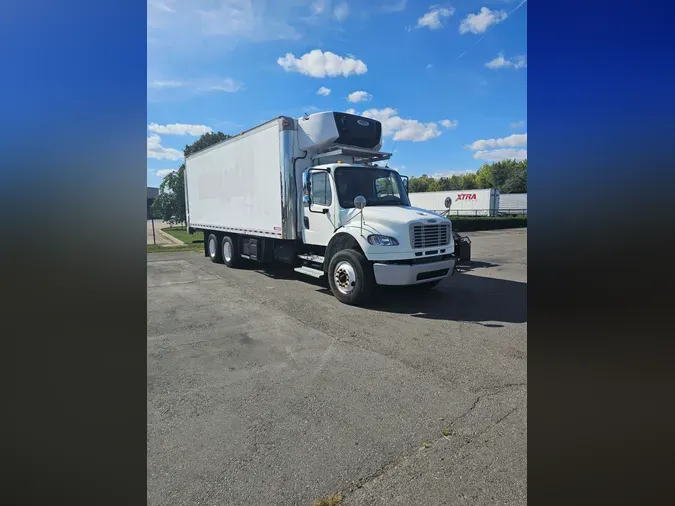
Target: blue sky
447	80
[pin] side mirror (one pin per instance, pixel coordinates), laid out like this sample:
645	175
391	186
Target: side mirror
360	202
405	183
448	202
305	200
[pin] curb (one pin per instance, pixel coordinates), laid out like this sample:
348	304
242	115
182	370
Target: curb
171	238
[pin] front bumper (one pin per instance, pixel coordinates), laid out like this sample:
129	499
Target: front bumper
397	274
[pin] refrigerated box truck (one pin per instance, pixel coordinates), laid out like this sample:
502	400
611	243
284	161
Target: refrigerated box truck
312	192
464	202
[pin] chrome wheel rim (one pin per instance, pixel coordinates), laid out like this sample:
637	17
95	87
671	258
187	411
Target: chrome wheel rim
212	247
345	277
227	251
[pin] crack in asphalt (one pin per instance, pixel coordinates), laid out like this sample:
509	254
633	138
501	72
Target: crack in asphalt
468	440
397	461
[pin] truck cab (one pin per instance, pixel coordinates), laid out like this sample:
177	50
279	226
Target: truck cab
361	230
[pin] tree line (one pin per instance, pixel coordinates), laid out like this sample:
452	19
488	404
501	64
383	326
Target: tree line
508	176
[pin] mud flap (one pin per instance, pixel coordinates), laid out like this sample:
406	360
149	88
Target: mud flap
462	248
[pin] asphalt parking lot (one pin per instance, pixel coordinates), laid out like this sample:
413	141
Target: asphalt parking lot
264	389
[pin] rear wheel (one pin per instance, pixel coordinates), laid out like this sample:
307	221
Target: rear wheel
229	252
351	277
213	249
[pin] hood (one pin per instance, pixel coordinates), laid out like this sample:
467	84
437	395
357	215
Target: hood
387	220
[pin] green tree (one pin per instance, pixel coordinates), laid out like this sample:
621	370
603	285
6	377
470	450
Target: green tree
508	176
484	176
455	182
419	184
434	186
517	181
502	172
469	181
206	140
170	203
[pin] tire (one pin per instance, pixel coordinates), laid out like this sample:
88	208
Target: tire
213	249
427	286
347	264
229	252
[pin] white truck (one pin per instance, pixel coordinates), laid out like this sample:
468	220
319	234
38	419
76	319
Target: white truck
308	192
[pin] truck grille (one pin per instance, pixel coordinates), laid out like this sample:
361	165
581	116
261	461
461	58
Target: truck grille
428	236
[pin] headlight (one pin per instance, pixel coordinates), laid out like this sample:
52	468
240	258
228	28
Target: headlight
382	240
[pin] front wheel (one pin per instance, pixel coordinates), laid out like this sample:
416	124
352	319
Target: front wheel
351	277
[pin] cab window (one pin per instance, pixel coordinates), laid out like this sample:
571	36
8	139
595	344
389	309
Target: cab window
321	193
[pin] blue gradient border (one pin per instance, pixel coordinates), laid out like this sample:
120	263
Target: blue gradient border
72	192
601	126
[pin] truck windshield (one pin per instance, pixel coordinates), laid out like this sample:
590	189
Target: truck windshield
380	187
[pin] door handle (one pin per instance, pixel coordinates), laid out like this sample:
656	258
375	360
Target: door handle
306	220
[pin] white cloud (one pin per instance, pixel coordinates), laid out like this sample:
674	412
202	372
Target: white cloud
159	152
318	6
341	11
432	19
518	124
519	61
449	123
359	96
166	84
245	19
224	84
506	147
189	23
395	7
499	62
352	111
164	172
323	91
512	141
228	85
450	173
479	23
316	63
429	66
496	155
179	129
401	129
160	6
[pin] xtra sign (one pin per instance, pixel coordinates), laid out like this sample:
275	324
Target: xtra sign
466	196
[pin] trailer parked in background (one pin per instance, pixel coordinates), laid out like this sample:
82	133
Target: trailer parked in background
513	203
464	202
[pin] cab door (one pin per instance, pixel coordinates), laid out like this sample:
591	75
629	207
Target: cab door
319	207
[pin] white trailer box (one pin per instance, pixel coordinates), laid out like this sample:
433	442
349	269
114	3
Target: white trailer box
251	183
513	203
236	185
464	202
